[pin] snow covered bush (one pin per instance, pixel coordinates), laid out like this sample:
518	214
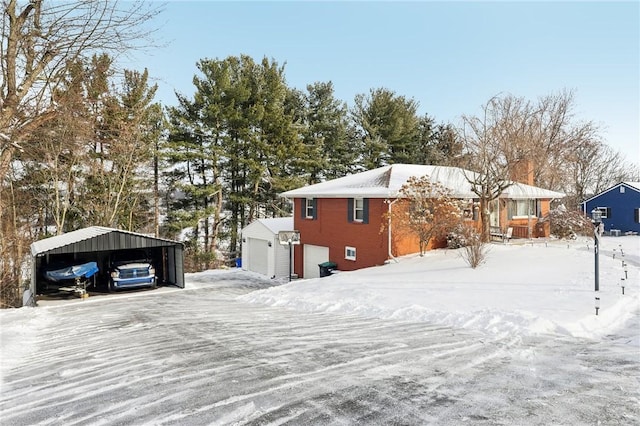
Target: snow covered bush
474	250
569	224
457	238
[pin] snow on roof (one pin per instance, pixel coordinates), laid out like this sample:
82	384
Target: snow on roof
69	238
385	182
278	224
51	243
634	185
520	191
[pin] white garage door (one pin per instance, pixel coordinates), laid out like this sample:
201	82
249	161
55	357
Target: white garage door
313	256
258	256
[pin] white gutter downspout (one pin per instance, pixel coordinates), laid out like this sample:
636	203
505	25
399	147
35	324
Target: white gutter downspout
529	233
389	228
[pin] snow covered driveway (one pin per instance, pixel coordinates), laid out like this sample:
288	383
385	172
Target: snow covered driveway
200	356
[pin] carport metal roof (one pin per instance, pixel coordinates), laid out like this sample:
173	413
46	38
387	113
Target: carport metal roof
84	240
101	239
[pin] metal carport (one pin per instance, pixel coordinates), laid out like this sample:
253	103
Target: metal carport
96	243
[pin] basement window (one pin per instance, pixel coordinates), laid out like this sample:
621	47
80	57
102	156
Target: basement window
350	253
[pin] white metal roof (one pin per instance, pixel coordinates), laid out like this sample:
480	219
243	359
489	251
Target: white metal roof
69	238
385	182
268	227
51	243
278	224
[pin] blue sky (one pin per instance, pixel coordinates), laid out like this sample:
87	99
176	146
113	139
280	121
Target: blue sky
449	56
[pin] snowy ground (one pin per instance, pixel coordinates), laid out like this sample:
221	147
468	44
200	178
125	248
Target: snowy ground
423	341
522	289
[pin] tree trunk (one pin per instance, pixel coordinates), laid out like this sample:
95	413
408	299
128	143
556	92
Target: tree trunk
485	216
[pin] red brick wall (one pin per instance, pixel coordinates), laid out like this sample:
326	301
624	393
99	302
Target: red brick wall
332	229
538	229
404	241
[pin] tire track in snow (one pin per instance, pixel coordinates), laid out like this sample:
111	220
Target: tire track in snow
115	361
200	357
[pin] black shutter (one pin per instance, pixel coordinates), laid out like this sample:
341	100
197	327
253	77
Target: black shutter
365	210
637	215
315	208
350	210
608	212
303	208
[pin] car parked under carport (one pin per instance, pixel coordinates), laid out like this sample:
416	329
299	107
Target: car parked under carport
131	269
101	245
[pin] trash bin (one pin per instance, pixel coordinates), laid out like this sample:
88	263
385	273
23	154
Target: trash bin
326	268
238	262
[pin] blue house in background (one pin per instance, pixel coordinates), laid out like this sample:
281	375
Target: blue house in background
619	205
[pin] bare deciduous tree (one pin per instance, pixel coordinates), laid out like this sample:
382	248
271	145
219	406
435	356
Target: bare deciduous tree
556	135
564	154
39	40
486	141
592	167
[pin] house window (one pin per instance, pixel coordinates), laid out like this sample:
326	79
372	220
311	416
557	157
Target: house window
358	209
310	208
350	253
523	208
467	210
621	189
605	212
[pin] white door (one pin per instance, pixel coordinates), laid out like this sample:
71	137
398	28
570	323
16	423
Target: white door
258	256
494	213
313	256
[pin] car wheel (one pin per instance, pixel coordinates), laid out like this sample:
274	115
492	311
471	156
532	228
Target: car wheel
110	286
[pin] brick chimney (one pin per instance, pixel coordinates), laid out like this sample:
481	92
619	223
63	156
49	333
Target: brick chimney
522	171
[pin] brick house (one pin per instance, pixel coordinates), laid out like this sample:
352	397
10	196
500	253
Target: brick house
342	220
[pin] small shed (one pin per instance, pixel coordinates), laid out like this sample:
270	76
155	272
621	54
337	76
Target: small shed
261	250
98	244
619	206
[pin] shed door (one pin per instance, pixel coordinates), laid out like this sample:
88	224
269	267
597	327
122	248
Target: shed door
258	256
313	256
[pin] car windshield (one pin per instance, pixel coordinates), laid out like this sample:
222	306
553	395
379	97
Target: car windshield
129	256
